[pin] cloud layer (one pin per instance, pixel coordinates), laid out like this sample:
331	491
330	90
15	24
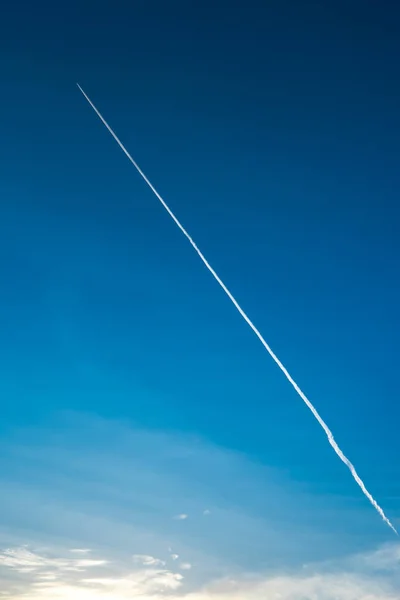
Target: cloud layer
38	575
99	509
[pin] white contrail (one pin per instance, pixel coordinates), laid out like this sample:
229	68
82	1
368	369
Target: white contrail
324	426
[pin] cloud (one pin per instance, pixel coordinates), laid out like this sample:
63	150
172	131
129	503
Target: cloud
93	525
61	482
320	581
339	586
140	583
148	561
386	558
83	521
40	574
25	561
181	517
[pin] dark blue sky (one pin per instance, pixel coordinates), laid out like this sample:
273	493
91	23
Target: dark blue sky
272	130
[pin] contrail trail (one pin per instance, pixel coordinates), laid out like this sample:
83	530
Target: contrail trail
324	426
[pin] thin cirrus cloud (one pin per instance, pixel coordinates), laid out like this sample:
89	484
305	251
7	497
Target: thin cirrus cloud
24	561
63	481
38	574
87	520
148	561
49	577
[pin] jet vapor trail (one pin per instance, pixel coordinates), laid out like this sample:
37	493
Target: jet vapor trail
324	426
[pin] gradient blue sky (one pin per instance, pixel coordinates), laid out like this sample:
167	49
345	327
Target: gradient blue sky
132	392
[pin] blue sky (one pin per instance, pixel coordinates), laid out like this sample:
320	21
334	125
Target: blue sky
132	392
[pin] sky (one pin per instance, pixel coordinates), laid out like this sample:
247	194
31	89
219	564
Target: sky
149	446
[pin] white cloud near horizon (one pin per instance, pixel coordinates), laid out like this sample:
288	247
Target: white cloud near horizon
87	511
34	575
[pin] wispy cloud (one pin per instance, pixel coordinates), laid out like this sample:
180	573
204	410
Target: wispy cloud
62	483
387	558
86	522
325	581
25	561
41	575
148	561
